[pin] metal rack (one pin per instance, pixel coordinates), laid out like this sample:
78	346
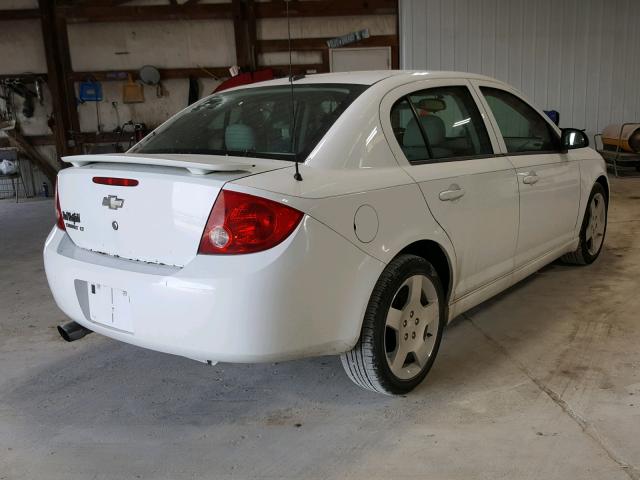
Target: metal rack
21	182
617	158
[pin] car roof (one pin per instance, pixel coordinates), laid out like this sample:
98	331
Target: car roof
369	77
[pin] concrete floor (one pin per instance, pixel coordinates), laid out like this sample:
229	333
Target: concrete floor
540	382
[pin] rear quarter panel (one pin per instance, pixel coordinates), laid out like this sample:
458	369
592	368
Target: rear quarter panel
402	214
334	196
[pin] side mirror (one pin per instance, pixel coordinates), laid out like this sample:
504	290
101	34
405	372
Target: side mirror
573	138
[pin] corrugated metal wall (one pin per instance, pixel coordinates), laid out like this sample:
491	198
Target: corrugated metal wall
580	57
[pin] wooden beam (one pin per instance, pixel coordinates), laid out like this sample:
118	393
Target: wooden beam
98	13
24	14
26	77
244	28
82	137
239	33
165	73
35	140
395	49
326	61
283	70
325	8
64	57
103	3
311	44
252	33
54	31
19	141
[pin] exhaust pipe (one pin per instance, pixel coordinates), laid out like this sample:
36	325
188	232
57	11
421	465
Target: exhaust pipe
73	331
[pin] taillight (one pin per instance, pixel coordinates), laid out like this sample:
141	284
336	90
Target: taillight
59	218
242	223
117	182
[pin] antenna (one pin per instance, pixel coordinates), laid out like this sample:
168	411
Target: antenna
297	175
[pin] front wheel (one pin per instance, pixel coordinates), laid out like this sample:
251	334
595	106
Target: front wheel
593	230
402	328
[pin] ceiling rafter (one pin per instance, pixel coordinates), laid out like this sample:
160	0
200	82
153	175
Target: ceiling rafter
99	3
99	13
22	14
325	8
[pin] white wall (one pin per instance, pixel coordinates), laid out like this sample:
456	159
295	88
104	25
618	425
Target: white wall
311	27
579	57
170	44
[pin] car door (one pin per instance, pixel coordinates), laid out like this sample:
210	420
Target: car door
549	181
439	135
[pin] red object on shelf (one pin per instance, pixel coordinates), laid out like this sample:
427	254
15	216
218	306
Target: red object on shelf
246	79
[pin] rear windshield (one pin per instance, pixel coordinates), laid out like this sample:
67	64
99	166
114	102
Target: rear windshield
266	122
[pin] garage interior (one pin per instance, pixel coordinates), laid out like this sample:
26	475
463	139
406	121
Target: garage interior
542	381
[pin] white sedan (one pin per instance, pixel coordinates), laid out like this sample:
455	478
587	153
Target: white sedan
419	195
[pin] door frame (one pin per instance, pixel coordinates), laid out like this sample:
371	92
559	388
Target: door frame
542	159
442	169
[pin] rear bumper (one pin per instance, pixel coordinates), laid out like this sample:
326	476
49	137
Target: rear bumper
305	297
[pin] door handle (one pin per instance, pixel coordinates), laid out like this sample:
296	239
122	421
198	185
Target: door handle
453	193
529	178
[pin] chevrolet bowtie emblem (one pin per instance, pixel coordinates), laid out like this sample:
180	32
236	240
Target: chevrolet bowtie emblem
113	202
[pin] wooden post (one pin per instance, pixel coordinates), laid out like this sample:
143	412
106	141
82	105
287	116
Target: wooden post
56	44
244	28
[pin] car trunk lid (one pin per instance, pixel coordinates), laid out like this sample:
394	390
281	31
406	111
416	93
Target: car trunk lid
158	220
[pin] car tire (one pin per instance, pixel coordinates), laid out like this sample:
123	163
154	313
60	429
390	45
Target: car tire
392	327
593	230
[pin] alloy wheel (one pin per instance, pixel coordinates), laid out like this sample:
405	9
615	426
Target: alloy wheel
411	327
594	234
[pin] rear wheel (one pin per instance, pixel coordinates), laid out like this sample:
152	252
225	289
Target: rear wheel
402	328
593	230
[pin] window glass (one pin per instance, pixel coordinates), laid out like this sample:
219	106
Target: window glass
407	132
255	122
451	121
523	129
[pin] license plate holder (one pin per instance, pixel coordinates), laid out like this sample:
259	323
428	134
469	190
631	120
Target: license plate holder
110	307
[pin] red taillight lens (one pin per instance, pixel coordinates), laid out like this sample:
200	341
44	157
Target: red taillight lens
242	223
118	182
59	218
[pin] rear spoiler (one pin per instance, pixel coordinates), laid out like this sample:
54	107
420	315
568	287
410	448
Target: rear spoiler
197	165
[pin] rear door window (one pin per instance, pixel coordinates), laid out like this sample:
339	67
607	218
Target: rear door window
407	132
448	121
